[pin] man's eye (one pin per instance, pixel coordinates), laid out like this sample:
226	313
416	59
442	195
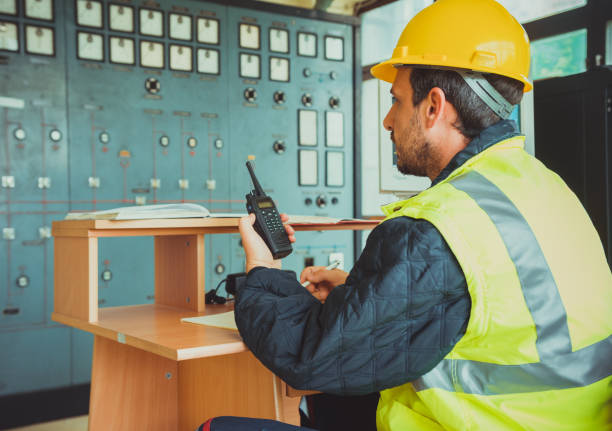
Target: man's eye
393	100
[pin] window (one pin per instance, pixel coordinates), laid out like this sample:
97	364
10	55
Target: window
381	28
529	10
560	55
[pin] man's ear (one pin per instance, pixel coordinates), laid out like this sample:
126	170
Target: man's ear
434	107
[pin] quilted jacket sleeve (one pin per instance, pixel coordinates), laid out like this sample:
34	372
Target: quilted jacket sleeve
404	306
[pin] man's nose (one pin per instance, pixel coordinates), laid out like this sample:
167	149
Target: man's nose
387	122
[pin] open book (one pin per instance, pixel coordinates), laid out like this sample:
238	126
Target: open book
181	210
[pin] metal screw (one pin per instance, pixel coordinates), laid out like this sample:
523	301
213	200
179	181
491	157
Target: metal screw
168	376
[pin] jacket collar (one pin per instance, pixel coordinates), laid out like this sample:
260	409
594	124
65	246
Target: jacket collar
499	131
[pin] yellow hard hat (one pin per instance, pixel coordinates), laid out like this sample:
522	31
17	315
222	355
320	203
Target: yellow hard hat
477	35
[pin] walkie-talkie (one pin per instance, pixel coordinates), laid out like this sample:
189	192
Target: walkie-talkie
268	223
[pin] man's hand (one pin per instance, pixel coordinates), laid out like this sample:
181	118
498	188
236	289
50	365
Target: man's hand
322	280
256	250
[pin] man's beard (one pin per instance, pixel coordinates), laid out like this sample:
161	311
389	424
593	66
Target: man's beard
414	154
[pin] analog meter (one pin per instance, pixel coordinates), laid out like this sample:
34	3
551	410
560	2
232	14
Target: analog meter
180	26
90	46
8	7
39	9
307	44
151	54
208	31
9	36
151	22
250	66
279	69
40	40
89	13
121	18
249	36
208	61
181	58
122	50
334	48
279	40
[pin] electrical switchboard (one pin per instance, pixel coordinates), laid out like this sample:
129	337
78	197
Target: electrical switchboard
112	103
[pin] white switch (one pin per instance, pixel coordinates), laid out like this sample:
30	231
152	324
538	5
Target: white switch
334	129
307	125
155	183
308	167
44	232
8	233
183	184
334	168
8	182
44	182
211	184
140	200
94	182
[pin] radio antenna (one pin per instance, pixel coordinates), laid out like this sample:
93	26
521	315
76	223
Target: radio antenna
258	191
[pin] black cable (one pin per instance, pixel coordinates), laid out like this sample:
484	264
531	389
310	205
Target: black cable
212	297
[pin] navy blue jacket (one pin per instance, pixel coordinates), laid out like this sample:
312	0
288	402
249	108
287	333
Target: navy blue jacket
404	306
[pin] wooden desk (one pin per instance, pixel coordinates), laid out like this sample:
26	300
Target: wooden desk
150	370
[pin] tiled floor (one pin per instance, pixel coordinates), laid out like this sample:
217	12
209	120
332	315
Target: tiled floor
78	423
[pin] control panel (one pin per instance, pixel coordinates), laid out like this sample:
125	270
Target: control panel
121	102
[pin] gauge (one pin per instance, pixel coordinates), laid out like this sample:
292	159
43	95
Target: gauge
334	48
8	7
279	69
208	61
307	44
9	36
151	54
39	9
90	46
121	18
55	135
19	134
250	66
279	40
122	50
181	58
208	31
249	36
151	22
40	40
180	26
89	13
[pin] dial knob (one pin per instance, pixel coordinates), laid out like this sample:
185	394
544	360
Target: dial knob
279	147
152	85
334	102
306	99
220	268
308	201
250	94
306	72
321	201
23	281
279	97
55	135
333	75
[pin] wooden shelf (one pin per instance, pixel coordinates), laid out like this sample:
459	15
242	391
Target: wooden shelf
158	329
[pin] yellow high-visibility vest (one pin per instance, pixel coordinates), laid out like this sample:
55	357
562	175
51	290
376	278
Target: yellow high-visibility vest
537	352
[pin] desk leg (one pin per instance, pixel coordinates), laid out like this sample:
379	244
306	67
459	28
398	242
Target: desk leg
131	389
134	389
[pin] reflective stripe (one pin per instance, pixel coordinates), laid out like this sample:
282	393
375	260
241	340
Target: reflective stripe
537	282
576	369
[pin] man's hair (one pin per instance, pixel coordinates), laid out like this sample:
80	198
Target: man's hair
473	114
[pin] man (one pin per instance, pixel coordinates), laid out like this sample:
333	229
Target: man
482	303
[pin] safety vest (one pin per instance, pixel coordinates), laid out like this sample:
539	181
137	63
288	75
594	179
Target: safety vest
537	352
